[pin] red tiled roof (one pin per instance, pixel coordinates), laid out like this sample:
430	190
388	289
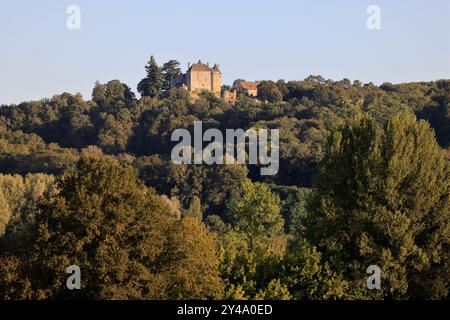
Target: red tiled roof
203	67
216	68
200	67
249	85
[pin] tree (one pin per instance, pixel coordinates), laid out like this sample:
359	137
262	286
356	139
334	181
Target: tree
383	197
191	263
253	247
220	185
276	290
99	94
115	132
120	234
152	84
236	83
18	197
5	212
118	93
75	127
268	91
439	115
256	212
195	209
307	276
171	71
293	207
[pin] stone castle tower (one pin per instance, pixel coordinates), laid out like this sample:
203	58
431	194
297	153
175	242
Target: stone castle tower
201	77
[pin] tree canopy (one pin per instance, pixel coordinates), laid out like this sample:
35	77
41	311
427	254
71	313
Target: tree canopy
383	198
363	180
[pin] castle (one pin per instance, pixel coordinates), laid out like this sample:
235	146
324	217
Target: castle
201	77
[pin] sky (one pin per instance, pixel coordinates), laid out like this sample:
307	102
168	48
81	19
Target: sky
251	39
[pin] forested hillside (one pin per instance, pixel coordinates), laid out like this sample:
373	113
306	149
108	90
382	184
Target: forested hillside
364	179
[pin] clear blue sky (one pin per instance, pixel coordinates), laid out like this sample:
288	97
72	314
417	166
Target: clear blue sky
250	39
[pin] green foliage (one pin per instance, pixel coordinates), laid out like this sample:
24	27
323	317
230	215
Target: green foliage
256	212
5	212
293	207
112	93
118	123
19	196
152	84
27	153
99	94
276	290
307	277
192	268
438	113
114	135
383	197
171	71
253	248
269	91
220	184
122	237
195	209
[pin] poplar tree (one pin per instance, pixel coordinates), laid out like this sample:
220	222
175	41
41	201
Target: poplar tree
383	198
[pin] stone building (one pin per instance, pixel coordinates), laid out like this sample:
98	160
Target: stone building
201	77
229	96
246	88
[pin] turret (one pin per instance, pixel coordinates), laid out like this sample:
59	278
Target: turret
216	80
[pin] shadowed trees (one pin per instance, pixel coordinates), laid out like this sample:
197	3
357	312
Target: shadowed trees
383	198
120	234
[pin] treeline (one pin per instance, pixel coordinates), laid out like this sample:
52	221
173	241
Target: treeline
361	182
382	198
49	135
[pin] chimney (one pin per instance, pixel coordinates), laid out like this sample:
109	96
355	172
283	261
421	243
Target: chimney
189	65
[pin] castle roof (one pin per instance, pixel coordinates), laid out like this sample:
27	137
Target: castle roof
216	68
199	66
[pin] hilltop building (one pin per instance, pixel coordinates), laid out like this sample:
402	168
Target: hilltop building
246	88
201	77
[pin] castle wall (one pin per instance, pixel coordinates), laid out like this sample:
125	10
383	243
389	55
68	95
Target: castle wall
199	80
252	92
216	83
229	96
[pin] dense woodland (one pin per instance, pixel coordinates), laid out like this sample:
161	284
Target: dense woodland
364	179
